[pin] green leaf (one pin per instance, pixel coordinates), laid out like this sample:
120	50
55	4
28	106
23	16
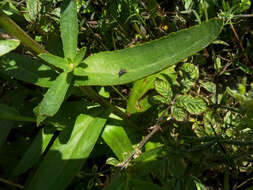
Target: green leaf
158	99
163	88
178	113
8	45
58	62
5	126
140	87
34	152
26	69
54	96
116	138
137	102
118	183
194	105
189	75
68	154
33	8
69	28
79	56
130	64
209	86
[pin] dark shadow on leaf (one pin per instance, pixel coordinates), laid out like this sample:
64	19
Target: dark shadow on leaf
27	69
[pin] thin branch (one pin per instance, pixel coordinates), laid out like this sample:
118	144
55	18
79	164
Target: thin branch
155	128
11	183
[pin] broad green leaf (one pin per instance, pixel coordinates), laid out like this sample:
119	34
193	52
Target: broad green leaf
58	62
34	152
69	28
68	154
116	138
8	45
130	64
194	105
141	87
5	126
33	8
178	113
163	88
26	69
54	96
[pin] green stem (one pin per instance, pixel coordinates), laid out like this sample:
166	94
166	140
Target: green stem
14	30
93	95
23	118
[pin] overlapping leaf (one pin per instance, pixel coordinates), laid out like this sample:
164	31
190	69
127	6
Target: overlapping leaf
68	153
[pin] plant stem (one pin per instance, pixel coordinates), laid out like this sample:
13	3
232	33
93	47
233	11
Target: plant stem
14	30
93	95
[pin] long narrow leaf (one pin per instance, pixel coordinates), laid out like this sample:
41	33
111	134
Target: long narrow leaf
130	64
34	152
116	138
54	96
5	126
69	28
66	156
58	62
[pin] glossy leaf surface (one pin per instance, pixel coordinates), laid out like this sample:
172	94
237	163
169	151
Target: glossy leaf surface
8	45
69	28
130	64
68	153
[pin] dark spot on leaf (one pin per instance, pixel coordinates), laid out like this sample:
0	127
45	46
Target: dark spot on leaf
122	72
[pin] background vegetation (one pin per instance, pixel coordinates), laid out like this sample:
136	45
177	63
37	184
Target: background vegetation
188	126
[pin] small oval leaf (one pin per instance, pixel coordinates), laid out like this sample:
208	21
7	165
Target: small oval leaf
194	105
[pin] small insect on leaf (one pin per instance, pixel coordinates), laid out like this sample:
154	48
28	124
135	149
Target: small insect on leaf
122	72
